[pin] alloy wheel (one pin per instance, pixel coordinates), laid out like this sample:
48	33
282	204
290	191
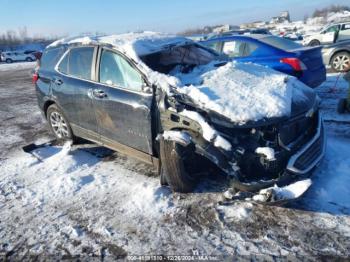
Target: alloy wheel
59	125
341	62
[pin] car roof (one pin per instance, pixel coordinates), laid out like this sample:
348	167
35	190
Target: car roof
247	36
133	44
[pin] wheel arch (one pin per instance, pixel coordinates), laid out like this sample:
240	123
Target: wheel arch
47	104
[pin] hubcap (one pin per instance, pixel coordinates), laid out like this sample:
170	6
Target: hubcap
341	62
58	125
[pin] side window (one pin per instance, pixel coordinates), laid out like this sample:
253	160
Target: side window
345	27
331	29
50	58
234	48
116	71
63	66
214	45
249	49
80	62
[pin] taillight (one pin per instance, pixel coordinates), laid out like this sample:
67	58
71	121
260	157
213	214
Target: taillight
295	63
35	78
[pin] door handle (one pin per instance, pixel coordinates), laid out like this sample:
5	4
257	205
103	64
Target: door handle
58	81
98	93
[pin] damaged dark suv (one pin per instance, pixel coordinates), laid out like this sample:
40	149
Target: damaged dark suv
178	105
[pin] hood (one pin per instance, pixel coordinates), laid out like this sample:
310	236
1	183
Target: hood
245	94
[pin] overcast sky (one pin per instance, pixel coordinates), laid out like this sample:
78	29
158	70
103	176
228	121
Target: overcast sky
72	17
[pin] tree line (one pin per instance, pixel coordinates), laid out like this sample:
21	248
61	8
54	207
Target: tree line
323	12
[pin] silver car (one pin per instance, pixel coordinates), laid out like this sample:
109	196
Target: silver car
337	55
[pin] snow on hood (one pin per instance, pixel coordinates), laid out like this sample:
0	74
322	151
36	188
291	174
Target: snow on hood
242	92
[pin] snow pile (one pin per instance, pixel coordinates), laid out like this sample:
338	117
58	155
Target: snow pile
209	133
140	44
17	66
276	193
237	211
241	92
183	137
268	152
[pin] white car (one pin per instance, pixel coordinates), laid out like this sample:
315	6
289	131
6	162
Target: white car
12	56
327	34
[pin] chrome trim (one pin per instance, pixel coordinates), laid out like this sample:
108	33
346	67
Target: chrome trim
293	159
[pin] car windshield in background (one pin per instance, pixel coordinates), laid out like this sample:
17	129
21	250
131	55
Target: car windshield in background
280	42
181	58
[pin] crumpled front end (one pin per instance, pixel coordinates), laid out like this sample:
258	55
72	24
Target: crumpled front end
258	156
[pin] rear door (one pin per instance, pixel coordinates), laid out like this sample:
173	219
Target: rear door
123	108
72	88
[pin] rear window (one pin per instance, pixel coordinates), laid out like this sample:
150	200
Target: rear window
280	42
50	58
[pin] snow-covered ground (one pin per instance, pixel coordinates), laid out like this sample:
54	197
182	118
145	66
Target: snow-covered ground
88	201
16	66
311	25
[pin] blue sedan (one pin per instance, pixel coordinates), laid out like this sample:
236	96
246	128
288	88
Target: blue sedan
280	54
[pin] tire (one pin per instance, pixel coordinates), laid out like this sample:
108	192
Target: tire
28	59
314	43
342	106
59	124
8	60
173	165
340	61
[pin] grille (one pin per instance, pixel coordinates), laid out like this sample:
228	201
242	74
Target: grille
292	130
311	154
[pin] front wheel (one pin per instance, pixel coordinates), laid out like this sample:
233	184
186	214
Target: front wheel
28	59
315	43
8	60
59	124
175	161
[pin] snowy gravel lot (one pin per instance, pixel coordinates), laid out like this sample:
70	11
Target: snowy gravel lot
85	201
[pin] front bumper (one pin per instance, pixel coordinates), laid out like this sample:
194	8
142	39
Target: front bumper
300	165
310	155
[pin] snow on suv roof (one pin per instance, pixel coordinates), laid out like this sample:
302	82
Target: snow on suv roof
134	45
240	92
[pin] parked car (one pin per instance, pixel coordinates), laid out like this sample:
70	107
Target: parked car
14	56
329	34
123	92
260	31
337	55
275	52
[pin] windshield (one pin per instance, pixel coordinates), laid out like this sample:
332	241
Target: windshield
181	58
280	42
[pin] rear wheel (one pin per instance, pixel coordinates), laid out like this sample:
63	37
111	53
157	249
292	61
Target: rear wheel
8	60
175	170
340	61
28	59
59	124
315	43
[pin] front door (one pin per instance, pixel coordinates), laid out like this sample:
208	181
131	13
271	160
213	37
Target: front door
123	109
